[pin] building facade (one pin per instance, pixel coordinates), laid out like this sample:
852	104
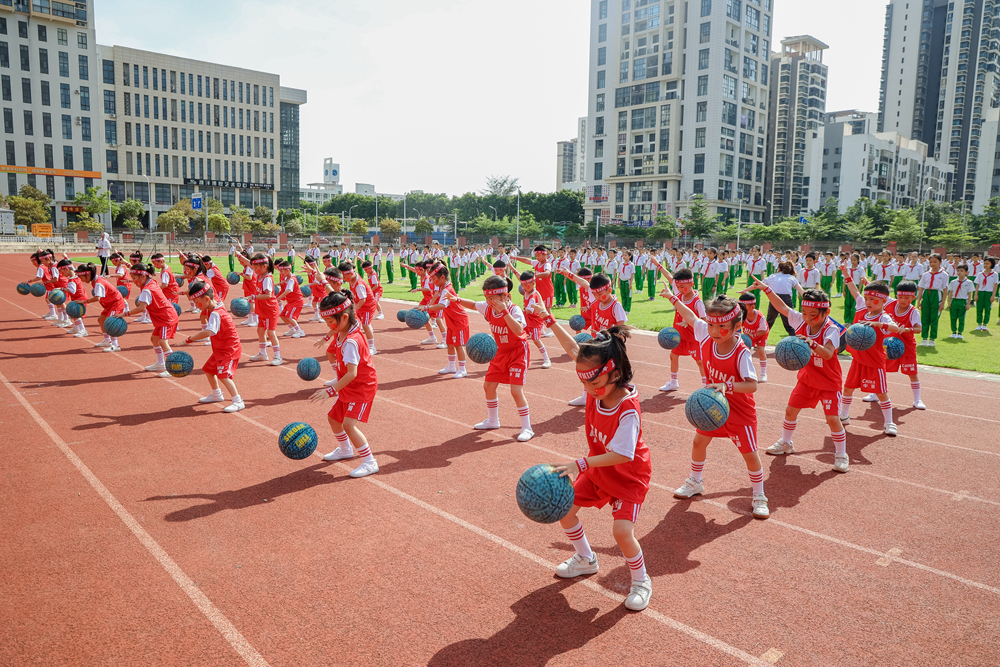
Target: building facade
330	187
565	162
795	127
580	171
677	106
49	78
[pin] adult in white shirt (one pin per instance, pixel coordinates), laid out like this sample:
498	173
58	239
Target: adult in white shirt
103	252
782	283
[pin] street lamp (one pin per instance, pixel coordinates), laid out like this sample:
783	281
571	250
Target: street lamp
494	213
739	222
149	196
923	210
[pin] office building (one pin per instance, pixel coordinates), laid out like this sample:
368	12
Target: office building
677	106
580	171
49	73
565	162
330	187
861	122
795	127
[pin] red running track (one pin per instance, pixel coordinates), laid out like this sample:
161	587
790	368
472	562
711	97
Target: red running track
144	528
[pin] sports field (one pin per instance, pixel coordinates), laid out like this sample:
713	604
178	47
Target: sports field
142	528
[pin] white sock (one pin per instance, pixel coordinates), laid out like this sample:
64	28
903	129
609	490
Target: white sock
277	351
696	469
263	348
545	353
840	442
704	381
451	361
371	343
915	386
237	399
637	567
757	481
114	341
52	309
578	538
673	377
763	366
525	415
493	410
79	322
365	452
107	338
788	429
217	393
845	406
461	365
886	410
159	355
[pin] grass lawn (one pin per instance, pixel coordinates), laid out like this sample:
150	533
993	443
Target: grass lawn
979	351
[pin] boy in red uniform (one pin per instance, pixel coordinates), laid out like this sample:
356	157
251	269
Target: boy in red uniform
907	317
291	293
168	284
683	280
457	320
364	302
541	266
587	297
533	302
755	326
729	367
375	288
356	385
267	309
152	303
112	302
867	369
510	365
226	348
316	285
74	292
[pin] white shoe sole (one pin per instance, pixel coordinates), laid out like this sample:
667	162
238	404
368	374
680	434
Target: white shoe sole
277	362
234	407
211	399
486	426
337	455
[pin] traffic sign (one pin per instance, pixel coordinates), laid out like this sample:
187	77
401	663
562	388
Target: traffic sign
196	201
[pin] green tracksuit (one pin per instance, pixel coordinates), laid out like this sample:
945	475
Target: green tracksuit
708	289
413	280
626	295
825	283
957	312
929	313
850	306
639	277
559	285
389	269
651	283
984	307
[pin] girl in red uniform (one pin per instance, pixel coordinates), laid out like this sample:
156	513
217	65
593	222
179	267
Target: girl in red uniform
510	365
316	285
220	286
867	369
755	326
251	287
267	309
294	301
44	276
168	284
74	292
226	348
457	322
819	382
152	302
617	467
729	366
55	281
133	259
587	298
603	313
194	272
534	302
356	385
541	267
907	317
375	288
420	270
364	302
683	280
122	277
111	300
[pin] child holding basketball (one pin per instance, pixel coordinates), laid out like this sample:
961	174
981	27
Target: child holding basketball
755	326
168	284
111	300
74	292
356	384
533	323
364	302
907	317
161	313
729	367
226	348
267	309
617	467
251	286
683	279
457	321
291	293
510	365
375	287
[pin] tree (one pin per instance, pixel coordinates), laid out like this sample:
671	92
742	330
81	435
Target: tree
487	227
952	235
293	226
423	226
329	224
698	223
239	219
174	221
264	214
84	222
218	223
825	223
389	227
501	186
93	201
861	229
28	211
528	227
359	226
989	222
34	193
904	228
727	232
132	210
664	227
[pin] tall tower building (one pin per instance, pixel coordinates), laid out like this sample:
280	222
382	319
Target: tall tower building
939	75
795	127
677	106
565	162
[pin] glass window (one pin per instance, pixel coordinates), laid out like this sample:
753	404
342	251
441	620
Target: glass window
706	8
47	124
703	84
699	137
112	162
145	77
81	40
29	125
703	59
43	61
43	32
64	99
600	80
600	102
753	18
705	34
701	112
602	56
110	132
64	64
46	95
699	163
85	128
62	36
109	102
602	33
84	68
25	58
199	85
108	70
156	79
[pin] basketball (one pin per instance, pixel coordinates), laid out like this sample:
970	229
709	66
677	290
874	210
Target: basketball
233	278
239	307
76	309
401	315
57	297
177	308
707	409
306	291
668	338
416	318
481	348
179	364
894	348
792	353
180	281
520	289
299	279
747	341
583	337
298	441
115	326
842	347
544	496
23	289
277	290
577	323
860	337
308	369
123	291
37	289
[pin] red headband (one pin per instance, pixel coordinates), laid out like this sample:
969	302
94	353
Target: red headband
200	292
875	294
599	290
192	265
816	304
684	281
139	272
499	290
347	273
591	375
722	319
529	281
336	309
258	261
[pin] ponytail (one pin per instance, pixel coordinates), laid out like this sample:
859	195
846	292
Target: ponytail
610	345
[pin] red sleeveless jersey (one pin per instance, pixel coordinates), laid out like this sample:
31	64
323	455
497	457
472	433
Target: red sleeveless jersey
219	284
455	315
79	295
112	299
54	279
293	293
251	283
819	373
534	321
160	310
505	338
359	290
626	481
726	369
903	319
605	317
171	289
698	308
365	384
543	284
267	308
227	341
875	355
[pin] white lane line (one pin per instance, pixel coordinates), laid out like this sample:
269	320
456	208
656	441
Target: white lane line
201	601
772	656
890	556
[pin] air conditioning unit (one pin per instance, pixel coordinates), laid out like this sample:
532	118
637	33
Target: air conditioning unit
76	92
78	120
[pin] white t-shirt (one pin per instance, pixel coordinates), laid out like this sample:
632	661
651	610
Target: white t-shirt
349	352
962	289
626	436
930	280
985	282
99	291
745	361
795	320
781	283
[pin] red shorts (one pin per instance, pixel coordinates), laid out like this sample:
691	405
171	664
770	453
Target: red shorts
292	310
267	323
868	378
510	365
365	317
744	436
547	298
222	365
804	396
687	348
164	332
759	341
533	333
586	494
221	293
108	312
457	336
350	408
907	364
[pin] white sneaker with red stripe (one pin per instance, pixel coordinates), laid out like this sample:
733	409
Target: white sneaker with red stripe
576	565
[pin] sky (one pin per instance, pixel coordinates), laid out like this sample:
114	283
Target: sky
436	96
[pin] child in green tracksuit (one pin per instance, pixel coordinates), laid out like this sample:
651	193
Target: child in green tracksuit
625	274
713	273
930	291
986	293
959	293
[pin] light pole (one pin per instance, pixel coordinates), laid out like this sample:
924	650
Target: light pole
317	217
494	213
923	210
149	196
739	222
517	236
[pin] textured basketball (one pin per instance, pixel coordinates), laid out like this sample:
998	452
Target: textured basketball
792	353
583	337
707	409
299	279
37	289
306	291
544	496
401	315
298	441
179	364
76	309
520	289
577	323
233	278
308	369
123	290
416	318
747	341
481	348
860	337
894	348
239	307
115	326
23	289
177	308
57	297
668	338
180	280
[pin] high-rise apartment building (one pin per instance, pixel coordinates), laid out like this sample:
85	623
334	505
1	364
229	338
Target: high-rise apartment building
677	106
49	73
580	172
795	127
939	76
565	162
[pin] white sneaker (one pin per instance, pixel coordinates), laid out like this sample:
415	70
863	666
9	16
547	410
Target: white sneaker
779	448
299	334
578	402
673	385
891	430
258	357
690	489
165	375
211	399
870	398
365	469
380	316
845	419
919	405
276	361
340	454
81	334
442	345
112	348
931	343
234	407
286	333
137	319
432	340
244	323
525	435
547	333
841	463
268	344
372	350
638	597
61	323
959	336
448	370
48	317
922	343
462	373
486	425
576	565
547	363
760	510
156	368
762	378
103	343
